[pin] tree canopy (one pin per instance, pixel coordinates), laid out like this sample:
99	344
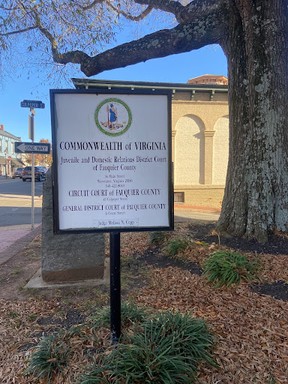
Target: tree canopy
76	31
64	30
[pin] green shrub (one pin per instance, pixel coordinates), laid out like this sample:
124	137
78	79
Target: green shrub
158	237
50	357
227	268
166	351
130	314
175	246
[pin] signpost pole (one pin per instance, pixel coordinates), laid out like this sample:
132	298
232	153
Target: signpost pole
31	134
115	286
32	191
32	104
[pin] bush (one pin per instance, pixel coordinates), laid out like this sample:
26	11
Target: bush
154	349
130	314
175	246
166	351
227	268
158	237
50	357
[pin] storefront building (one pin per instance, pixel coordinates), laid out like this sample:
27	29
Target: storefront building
8	158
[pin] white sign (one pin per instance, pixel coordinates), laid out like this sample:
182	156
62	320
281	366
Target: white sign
112	161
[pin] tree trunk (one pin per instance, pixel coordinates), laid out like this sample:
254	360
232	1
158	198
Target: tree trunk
256	194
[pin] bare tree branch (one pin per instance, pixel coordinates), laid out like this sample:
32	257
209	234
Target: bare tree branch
165	5
201	22
128	16
207	28
92	5
202	7
183	38
19	31
185	13
75	57
118	10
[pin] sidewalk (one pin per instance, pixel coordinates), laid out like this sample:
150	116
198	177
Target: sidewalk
14	238
184	212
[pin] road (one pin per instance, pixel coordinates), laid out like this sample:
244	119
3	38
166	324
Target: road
16	202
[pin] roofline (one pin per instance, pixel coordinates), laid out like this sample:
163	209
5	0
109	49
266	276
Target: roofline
92	83
9	135
208	75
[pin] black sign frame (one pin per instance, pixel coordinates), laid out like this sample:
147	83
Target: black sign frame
55	191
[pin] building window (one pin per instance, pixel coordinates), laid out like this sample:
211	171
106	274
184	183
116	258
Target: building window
179	197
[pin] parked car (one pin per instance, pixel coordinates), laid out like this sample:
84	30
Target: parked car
17	173
39	173
45	169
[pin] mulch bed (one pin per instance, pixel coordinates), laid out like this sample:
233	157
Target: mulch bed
249	320
278	245
277	289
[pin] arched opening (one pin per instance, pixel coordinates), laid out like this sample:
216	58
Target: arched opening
189	151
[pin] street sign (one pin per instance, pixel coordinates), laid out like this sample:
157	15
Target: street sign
32	104
43	148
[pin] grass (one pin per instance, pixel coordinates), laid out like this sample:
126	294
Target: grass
50	357
176	246
166	350
16	271
158	237
161	348
130	315
225	268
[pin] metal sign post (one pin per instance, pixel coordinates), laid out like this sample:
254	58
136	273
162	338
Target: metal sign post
32	192
115	287
31	136
32	104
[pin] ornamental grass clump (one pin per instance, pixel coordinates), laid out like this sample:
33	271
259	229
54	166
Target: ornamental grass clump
167	350
176	246
158	237
224	268
50	357
130	314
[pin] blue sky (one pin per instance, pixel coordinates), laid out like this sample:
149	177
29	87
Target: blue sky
173	69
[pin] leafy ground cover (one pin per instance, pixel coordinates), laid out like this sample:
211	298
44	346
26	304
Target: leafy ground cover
248	320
